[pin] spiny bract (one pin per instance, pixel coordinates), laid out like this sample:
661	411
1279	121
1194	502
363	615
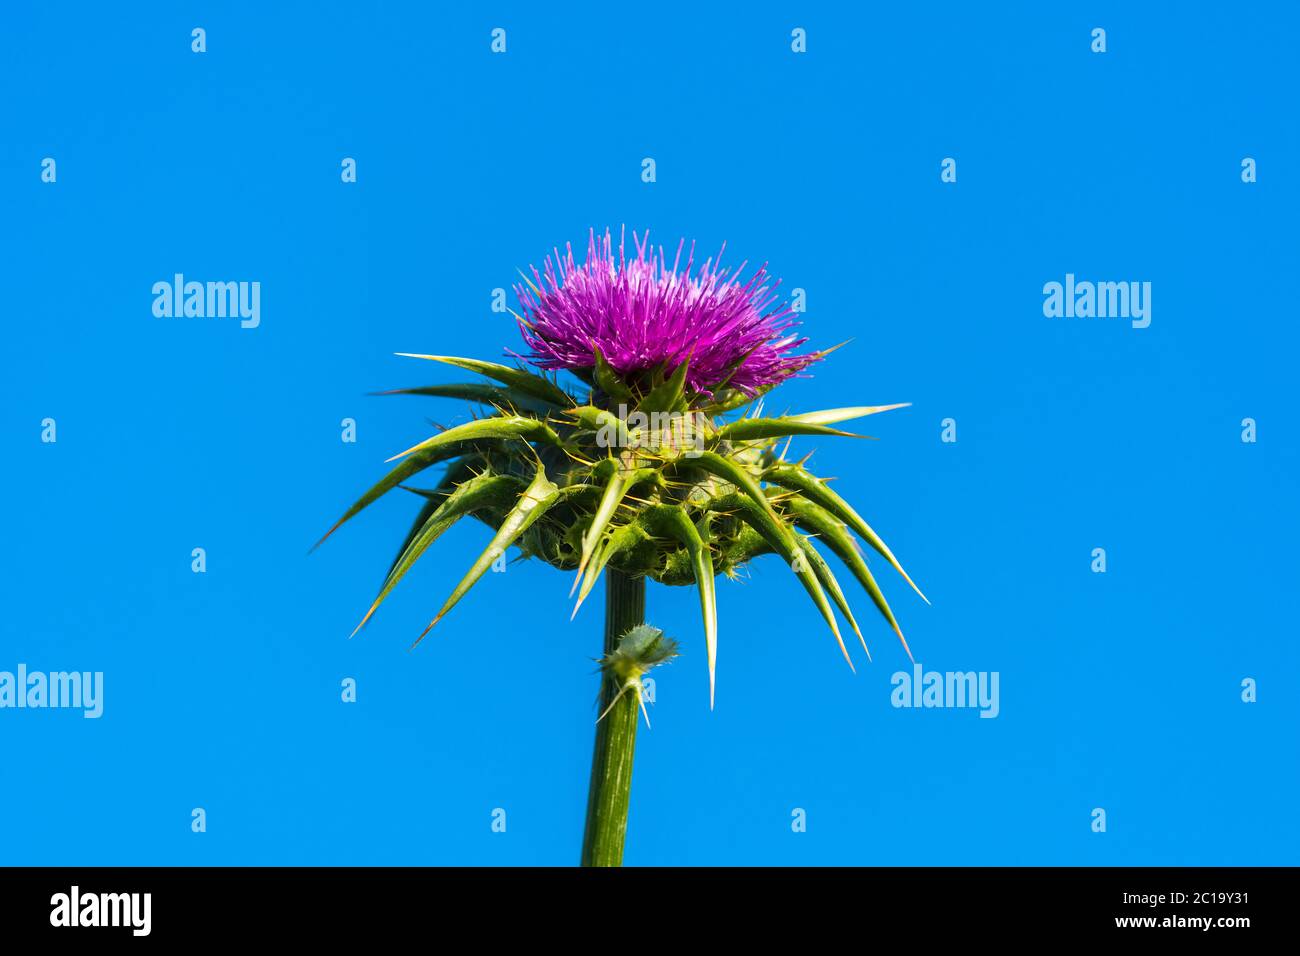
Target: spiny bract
640	470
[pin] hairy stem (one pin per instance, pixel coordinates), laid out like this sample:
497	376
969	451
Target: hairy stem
611	763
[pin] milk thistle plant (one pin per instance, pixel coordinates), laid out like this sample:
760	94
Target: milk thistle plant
647	467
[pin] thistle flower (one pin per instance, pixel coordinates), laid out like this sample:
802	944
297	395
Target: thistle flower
641	315
637	473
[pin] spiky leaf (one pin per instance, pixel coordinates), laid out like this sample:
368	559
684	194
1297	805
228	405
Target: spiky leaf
830	585
608	380
527	382
672	521
621	540
504	426
832	416
620	481
728	470
753	429
667	396
795	477
482	491
781	538
417	462
821	522
532	504
480	392
612	430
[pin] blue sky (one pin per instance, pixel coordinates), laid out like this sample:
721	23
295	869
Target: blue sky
1119	690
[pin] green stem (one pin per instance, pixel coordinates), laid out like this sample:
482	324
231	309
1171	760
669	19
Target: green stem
611	763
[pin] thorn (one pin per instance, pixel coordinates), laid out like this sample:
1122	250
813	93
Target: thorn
835	629
616	699
581	597
913	583
366	618
864	645
426	631
825	352
905	647
641	700
403	454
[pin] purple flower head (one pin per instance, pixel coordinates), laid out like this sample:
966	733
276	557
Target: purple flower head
642	315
